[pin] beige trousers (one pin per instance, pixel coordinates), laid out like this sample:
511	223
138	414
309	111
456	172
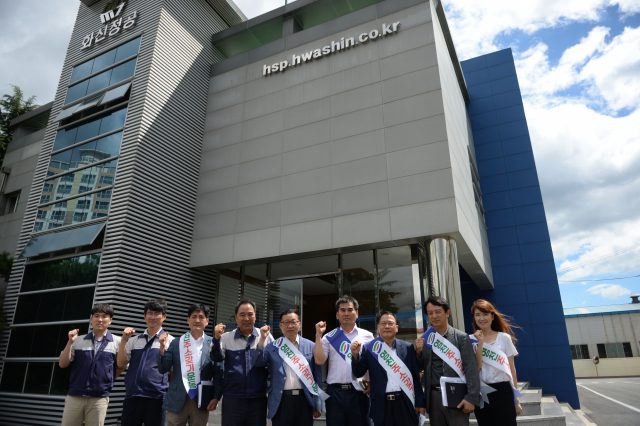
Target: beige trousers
90	410
189	413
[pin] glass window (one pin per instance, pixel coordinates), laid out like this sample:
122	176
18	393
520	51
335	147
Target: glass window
91	128
48	187
228	295
60	380
60	214
124	71
101	205
42	340
81	71
106	180
104	60
255	289
99	82
38	378
104	172
283	295
61	273
310	266
45	199
396	289
13	376
358	280
87	177
109	146
626	348
579	352
76	92
128	49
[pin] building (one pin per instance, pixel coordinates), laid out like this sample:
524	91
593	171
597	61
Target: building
303	154
611	333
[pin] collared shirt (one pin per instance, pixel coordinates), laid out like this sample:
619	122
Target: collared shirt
140	341
437	364
197	346
92	371
292	381
392	386
339	370
143	378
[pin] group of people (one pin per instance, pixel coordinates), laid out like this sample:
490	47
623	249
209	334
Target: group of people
370	380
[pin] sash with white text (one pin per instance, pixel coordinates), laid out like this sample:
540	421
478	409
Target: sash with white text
342	345
190	372
393	365
298	363
495	358
445	350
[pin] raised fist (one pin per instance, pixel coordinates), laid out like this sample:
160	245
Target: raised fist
162	339
219	330
355	349
419	346
478	335
321	327
73	334
128	332
264	331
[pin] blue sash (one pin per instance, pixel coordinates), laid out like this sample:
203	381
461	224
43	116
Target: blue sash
340	343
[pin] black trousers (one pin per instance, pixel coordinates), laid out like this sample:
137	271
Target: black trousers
501	409
347	407
139	410
244	411
396	413
293	410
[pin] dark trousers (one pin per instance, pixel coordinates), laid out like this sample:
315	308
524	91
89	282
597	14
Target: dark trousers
440	415
293	410
244	411
139	410
501	409
396	412
341	407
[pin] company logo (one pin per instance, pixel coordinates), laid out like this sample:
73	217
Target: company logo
344	347
431	339
377	347
333	333
278	342
112	10
475	347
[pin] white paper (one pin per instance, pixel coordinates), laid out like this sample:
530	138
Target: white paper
202	383
443	382
422	419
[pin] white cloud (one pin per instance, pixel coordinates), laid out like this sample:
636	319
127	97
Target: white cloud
609	291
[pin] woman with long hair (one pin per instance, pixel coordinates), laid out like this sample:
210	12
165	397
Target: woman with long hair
494	332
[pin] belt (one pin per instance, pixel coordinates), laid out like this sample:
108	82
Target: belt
393	396
436	388
293	392
348	386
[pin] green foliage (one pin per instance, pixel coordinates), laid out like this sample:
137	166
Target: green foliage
6	263
12	106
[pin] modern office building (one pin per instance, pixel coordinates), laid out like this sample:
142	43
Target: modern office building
611	332
327	147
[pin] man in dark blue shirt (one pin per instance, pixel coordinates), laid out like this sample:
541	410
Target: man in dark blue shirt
92	358
146	387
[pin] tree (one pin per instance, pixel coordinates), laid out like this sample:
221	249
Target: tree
12	106
6	263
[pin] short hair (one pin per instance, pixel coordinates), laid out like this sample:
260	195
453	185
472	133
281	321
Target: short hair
104	308
245	302
290	311
156	305
436	301
347	299
383	312
196	307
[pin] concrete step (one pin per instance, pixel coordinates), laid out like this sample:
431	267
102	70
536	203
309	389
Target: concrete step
575	417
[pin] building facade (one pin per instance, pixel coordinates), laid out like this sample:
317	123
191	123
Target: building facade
317	150
611	333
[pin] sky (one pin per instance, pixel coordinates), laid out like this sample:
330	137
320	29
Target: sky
578	65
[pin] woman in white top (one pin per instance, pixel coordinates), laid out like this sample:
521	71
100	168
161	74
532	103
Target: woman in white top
495	333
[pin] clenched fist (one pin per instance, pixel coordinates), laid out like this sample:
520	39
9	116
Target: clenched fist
128	332
321	327
219	330
479	336
163	341
264	331
419	346
355	349
73	334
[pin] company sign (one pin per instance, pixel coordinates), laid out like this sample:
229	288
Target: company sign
334	47
112	21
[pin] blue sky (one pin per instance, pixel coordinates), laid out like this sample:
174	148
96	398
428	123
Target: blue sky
578	64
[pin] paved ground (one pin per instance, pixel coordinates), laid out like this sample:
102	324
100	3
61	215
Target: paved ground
623	407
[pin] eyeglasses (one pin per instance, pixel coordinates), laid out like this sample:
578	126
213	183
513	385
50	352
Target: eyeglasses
387	324
153	314
289	323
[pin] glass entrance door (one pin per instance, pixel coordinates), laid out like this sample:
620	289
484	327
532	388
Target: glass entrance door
314	297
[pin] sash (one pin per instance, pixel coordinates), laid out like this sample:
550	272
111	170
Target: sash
298	363
393	365
190	372
451	355
496	359
342	345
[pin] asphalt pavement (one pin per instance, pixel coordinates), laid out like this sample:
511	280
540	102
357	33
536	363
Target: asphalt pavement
611	402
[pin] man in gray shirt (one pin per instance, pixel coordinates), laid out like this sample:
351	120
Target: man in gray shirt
437	309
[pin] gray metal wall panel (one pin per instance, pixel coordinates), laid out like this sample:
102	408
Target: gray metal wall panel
147	244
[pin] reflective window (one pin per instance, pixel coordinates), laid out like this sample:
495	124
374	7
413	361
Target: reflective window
13	376
96	126
60	380
358	280
579	352
105	60
54	306
255	289
101	81
228	295
396	289
61	273
38	378
45	199
35	378
64	213
43	340
313	265
614	350
85	180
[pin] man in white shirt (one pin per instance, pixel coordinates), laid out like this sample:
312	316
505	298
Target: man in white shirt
335	347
